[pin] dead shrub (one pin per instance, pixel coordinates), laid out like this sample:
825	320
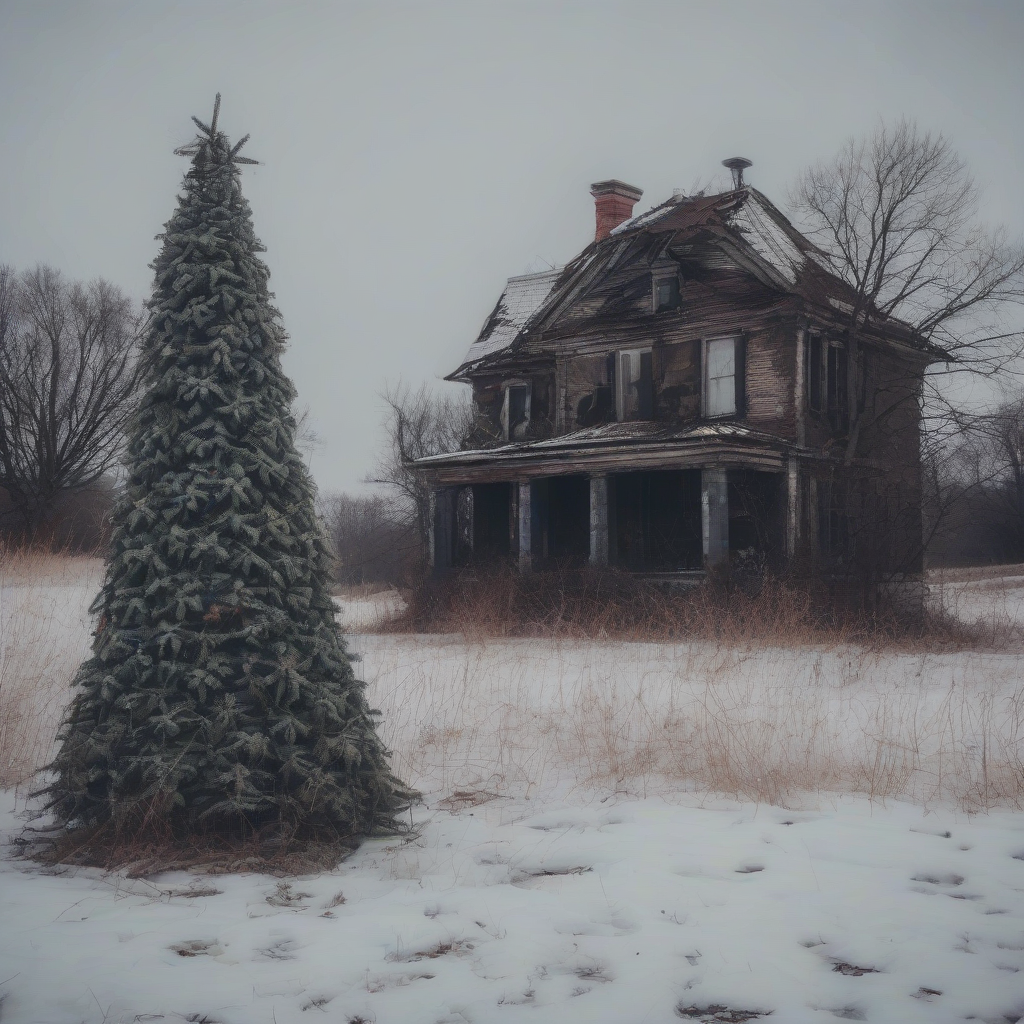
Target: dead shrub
499	601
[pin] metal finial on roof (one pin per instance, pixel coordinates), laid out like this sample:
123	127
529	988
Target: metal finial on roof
736	164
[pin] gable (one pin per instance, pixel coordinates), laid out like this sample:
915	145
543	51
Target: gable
521	298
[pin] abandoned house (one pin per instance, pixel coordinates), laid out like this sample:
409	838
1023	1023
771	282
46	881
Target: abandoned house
680	395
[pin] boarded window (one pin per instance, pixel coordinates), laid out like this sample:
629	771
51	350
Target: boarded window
720	377
634	386
515	415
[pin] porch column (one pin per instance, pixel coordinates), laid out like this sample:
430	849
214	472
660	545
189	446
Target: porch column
599	520
442	528
525	522
792	507
714	508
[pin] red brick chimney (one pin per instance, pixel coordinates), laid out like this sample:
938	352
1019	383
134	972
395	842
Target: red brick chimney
613	204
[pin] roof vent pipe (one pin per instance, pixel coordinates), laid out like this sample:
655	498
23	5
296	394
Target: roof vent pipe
613	205
736	164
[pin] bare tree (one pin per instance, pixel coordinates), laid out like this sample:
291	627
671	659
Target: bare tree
417	424
374	540
989	473
896	216
70	370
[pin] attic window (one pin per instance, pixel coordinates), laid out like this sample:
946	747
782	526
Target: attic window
515	412
666	293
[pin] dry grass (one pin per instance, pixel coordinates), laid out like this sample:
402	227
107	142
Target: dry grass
769	723
153	850
499	602
44	635
759	696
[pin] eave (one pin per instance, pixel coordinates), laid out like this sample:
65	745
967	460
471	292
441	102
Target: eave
612	448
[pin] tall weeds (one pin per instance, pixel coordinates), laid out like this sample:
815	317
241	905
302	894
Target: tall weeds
594	679
44	635
498	601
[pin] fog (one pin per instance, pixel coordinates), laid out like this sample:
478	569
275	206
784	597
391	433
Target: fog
415	156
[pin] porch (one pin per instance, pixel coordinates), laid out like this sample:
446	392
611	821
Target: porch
646	501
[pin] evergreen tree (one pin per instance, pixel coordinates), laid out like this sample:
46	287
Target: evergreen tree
219	697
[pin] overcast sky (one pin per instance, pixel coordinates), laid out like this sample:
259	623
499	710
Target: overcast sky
415	156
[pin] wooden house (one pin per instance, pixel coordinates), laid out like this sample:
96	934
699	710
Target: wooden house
678	396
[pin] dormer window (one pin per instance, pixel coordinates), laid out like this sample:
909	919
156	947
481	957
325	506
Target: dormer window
515	412
666	292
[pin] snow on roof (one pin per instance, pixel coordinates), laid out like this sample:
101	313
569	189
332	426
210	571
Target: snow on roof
767	237
642	220
521	298
606	435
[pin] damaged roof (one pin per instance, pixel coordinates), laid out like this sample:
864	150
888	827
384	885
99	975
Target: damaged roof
610	439
521	298
739	231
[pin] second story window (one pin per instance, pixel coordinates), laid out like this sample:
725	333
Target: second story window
515	412
634	387
721	380
827	379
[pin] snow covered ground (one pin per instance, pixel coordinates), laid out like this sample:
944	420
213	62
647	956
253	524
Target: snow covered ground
586	909
980	595
611	833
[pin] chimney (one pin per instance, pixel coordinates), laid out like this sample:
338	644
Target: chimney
613	204
737	164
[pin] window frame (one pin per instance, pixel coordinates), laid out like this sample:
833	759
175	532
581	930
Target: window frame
828	379
621	383
737	349
507	428
675	298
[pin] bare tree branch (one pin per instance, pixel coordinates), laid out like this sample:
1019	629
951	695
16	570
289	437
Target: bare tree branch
418	423
896	217
70	370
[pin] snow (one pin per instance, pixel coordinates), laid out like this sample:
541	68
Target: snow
651	216
766	237
367	613
610	833
997	601
522	297
589	909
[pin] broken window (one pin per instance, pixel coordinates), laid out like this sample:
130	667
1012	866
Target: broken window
666	293
515	413
634	399
827	375
722	382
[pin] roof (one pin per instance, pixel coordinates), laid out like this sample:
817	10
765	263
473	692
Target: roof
742	226
609	437
521	298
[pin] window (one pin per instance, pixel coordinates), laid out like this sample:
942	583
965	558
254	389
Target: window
634	391
827	374
814	376
666	293
720	377
515	412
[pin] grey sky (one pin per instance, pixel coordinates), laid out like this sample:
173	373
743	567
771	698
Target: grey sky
417	155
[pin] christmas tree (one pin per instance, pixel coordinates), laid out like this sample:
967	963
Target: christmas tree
219	699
